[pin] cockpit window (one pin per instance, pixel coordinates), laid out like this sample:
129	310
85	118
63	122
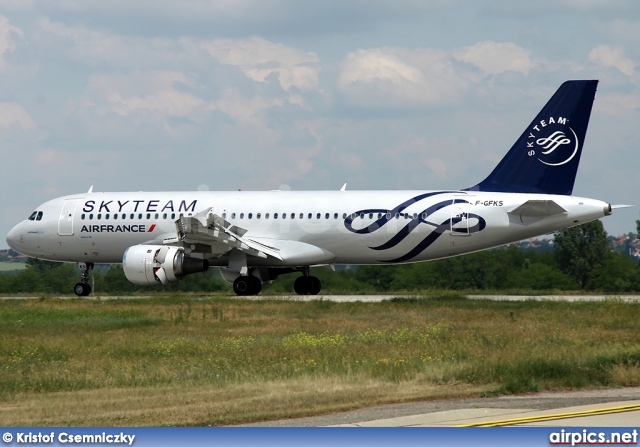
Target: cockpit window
33	215
39	217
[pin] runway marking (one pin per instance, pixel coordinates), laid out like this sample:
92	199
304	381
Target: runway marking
551	417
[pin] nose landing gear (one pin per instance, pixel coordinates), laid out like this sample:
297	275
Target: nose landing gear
83	288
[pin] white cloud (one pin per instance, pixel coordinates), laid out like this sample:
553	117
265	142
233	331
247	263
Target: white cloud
494	57
14	115
400	77
142	92
608	56
6	38
258	58
96	48
425	76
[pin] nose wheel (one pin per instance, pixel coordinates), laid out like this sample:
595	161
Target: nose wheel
83	288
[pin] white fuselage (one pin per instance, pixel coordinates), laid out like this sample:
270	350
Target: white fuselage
353	227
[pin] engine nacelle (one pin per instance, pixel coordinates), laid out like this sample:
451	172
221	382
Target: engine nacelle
159	264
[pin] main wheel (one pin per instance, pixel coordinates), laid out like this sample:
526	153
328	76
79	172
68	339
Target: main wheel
316	286
243	285
256	286
302	285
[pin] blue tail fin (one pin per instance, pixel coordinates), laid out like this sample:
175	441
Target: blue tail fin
546	156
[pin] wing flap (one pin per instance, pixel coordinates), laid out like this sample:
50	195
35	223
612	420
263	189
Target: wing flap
210	230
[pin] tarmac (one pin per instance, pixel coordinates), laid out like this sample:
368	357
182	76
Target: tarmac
618	407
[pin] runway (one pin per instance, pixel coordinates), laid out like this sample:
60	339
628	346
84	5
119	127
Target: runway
590	408
347	298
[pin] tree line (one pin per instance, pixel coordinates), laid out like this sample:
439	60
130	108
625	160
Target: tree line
580	260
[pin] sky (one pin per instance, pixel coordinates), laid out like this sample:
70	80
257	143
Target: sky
163	95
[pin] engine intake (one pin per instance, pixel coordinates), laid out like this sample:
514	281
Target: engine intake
158	264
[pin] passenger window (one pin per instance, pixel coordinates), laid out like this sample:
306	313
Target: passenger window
233	215
318	216
284	215
310	216
140	216
293	215
106	216
33	215
326	216
301	216
82	217
148	216
275	215
344	215
90	216
99	216
164	216
335	216
258	216
157	215
115	216
132	216
173	215
224	215
266	216
250	215
241	215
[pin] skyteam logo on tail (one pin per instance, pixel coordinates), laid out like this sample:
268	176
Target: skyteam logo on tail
552	141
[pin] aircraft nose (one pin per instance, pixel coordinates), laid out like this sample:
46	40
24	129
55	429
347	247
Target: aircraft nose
13	237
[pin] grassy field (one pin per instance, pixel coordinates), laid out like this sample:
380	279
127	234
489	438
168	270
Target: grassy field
213	361
12	266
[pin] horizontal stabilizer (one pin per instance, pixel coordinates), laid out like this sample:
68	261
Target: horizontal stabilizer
538	208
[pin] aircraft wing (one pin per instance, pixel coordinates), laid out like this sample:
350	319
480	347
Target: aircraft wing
537	208
209	233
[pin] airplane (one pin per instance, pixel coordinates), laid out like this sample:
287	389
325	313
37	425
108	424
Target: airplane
255	237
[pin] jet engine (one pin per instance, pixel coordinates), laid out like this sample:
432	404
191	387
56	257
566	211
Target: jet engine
159	264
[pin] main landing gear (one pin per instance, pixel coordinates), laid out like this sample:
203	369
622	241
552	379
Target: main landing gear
252	284
307	285
83	288
247	285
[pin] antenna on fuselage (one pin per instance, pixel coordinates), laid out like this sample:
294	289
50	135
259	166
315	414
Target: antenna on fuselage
90	190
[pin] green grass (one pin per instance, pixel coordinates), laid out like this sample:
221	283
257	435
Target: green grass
352	354
12	266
